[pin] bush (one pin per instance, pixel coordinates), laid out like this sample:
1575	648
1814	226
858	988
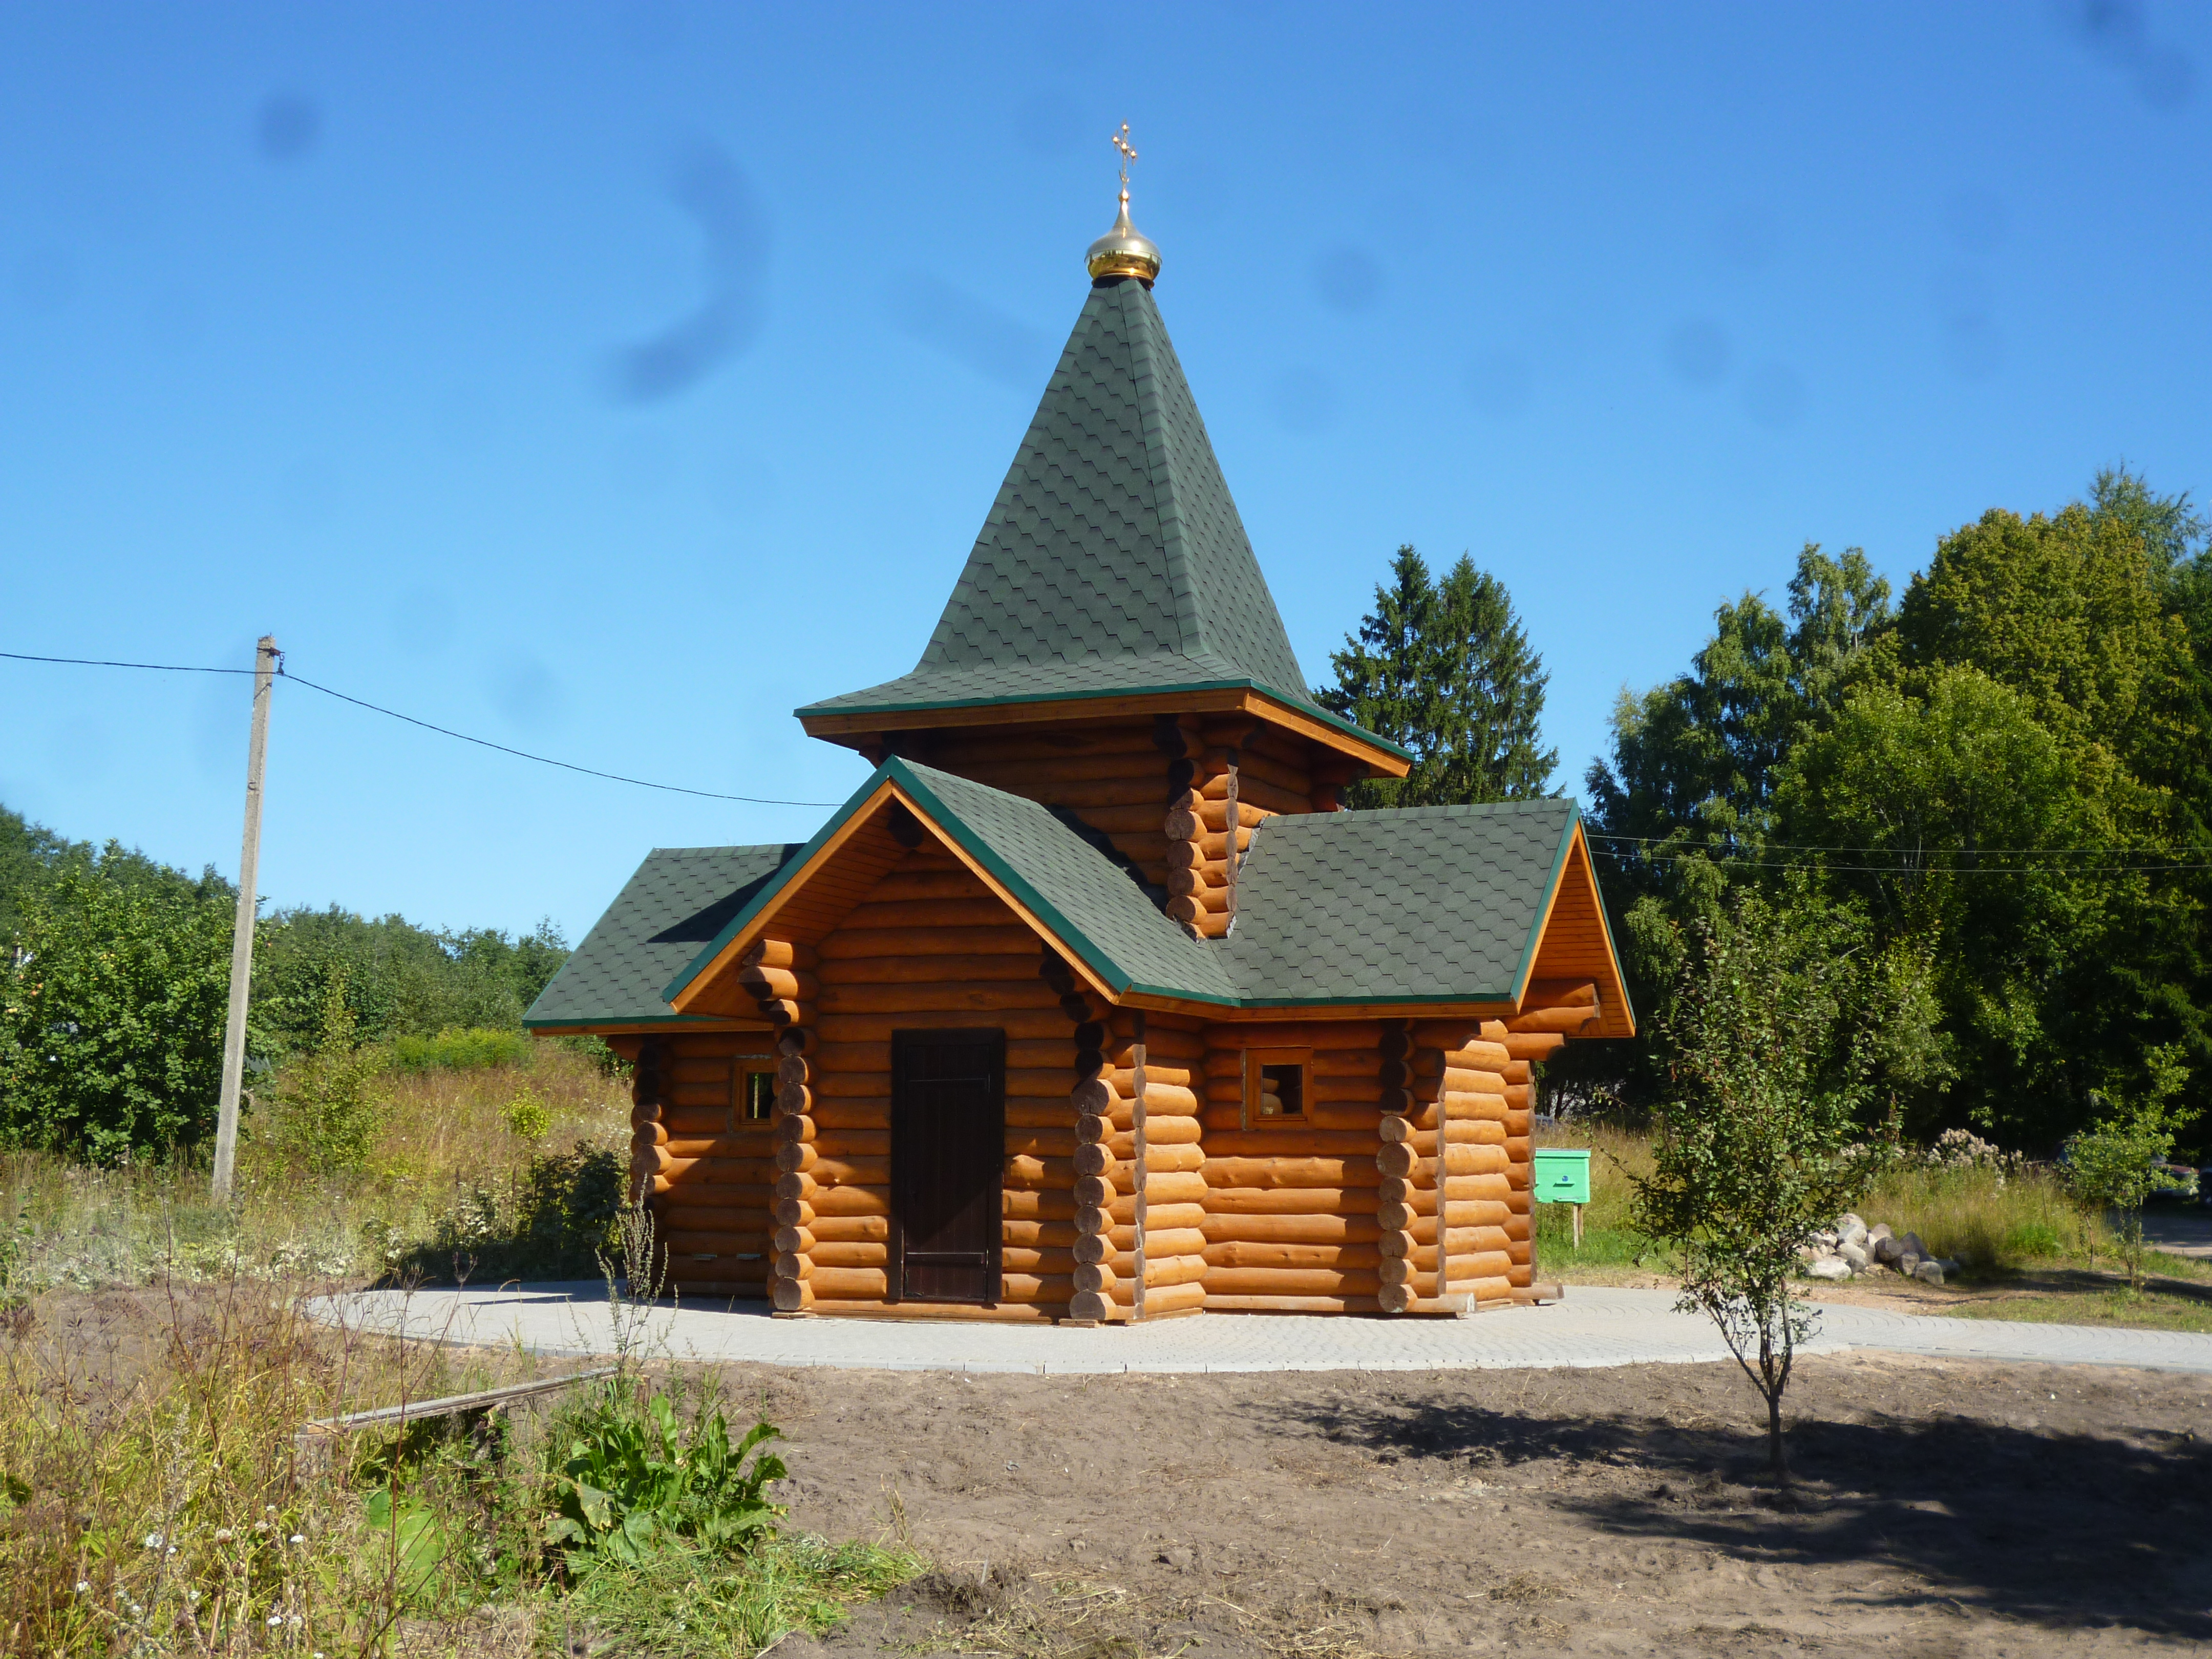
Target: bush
327	1109
526	1116
557	1222
460	1049
636	1479
111	1013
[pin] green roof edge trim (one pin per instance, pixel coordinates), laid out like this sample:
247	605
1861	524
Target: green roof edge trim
987	856
1551	897
1247	684
627	1019
895	770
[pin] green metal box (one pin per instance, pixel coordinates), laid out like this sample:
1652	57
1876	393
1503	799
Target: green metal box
1562	1175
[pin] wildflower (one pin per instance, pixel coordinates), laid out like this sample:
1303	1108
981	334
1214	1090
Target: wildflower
153	1540
261	1526
275	1620
298	1539
81	1587
222	1534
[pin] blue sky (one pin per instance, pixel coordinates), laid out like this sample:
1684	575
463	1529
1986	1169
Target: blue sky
609	381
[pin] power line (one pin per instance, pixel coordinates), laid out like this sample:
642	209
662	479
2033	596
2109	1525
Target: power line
1928	868
443	731
1813	847
95	662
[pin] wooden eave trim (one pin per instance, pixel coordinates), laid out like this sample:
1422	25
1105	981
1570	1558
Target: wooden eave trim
1236	699
1614	998
741	941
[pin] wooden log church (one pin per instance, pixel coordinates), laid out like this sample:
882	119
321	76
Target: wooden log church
1092	1004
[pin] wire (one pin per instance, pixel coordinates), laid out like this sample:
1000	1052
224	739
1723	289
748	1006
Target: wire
94	662
545	760
1813	846
1931	869
443	731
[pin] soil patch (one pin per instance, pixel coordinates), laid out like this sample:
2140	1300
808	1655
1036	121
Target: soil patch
1947	1508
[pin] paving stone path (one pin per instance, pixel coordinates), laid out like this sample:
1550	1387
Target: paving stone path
1593	1326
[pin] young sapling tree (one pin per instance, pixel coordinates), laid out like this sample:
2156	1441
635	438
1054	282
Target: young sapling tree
1754	1149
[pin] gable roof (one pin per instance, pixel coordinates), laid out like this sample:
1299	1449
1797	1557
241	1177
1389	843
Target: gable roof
1113	561
1420	907
679	896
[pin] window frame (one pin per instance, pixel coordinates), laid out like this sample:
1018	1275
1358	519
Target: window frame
1256	1058
743	1067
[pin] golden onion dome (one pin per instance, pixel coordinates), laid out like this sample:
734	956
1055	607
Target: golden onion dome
1123	251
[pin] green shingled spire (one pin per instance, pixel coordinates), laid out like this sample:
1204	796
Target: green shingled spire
1114	560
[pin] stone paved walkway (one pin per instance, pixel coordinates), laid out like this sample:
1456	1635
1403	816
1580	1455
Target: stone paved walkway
1593	1326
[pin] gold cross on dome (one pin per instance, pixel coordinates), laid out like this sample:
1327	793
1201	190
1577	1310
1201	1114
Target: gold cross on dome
1121	142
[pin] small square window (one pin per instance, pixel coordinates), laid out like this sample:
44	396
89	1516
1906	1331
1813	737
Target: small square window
1275	1086
756	1101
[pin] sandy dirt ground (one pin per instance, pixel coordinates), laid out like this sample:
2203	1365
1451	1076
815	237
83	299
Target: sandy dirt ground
1945	1508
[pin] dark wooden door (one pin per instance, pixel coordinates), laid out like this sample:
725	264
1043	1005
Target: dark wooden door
948	1153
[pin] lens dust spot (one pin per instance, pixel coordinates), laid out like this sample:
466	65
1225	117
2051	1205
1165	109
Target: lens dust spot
1348	279
1698	352
287	126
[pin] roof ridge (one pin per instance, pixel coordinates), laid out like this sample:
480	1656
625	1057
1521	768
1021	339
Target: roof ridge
1166	495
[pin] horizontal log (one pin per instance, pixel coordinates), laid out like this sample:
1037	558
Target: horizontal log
918	878
848	1284
1335	1173
1289	1228
1018	967
1017	774
1291	1138
1163	1299
925	916
1040	1174
856	1253
1008	937
1094	1276
1023	1260
1161	1243
1020	1204
1162	1271
1029	1289
1290	1200
1245	1253
877	1027
1290	1281
987	994
791	1295
793	984
1475	1212
777	953
793	1241
1160	1069
855	1200
1173	1189
1422	1200
1532	1045
1251	792
717	1243
874	1112
1210	816
749	1145
1342	1035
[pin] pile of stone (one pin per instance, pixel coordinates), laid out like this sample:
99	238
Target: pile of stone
1851	1248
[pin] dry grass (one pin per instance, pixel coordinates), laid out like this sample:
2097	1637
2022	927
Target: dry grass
445	1140
1988	1219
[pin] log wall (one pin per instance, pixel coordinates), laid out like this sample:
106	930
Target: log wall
931	948
1290	1208
707	1178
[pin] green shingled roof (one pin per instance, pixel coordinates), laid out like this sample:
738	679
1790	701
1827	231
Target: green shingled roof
1113	561
1395	906
679	896
1422	904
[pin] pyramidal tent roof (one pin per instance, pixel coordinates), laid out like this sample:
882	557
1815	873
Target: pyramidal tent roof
1113	562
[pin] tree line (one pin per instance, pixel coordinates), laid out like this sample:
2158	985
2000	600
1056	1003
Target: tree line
117	971
1990	797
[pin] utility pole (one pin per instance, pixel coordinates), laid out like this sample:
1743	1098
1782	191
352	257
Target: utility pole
249	910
